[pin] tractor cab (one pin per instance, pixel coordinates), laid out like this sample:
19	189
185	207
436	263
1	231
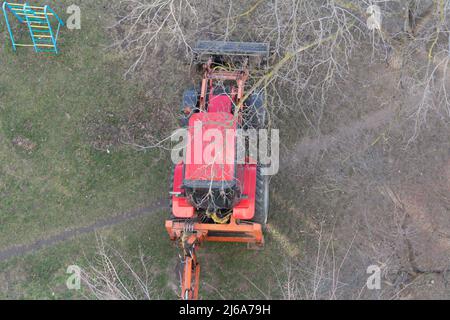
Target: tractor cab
221	99
212	177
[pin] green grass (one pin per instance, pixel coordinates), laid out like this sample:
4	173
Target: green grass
64	182
43	275
50	100
228	270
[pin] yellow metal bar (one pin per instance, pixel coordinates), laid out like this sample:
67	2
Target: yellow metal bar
42	36
31	15
37	45
38	27
21	5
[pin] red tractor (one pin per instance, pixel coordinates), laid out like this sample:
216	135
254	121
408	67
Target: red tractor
215	197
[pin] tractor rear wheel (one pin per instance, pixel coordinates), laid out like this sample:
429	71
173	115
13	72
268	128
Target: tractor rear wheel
262	200
172	177
188	106
255	114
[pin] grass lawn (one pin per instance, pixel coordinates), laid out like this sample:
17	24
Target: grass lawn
57	180
49	100
60	181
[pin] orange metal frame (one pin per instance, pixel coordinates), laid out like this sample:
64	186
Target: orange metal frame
246	232
210	75
192	235
191	273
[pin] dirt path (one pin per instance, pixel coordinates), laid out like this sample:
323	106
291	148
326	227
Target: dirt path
307	146
72	233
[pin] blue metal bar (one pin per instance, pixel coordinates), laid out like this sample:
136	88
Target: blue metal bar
32	18
13	11
50	26
54	14
46	50
5	5
40	31
57	32
29	28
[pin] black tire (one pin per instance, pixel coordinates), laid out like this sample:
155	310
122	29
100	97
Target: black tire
255	113
262	201
172	175
190	99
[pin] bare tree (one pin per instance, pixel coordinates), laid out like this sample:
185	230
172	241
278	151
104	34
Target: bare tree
111	277
412	33
313	44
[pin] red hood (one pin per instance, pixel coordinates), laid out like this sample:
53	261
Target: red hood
211	149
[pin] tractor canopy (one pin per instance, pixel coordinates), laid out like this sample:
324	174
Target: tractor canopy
211	151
